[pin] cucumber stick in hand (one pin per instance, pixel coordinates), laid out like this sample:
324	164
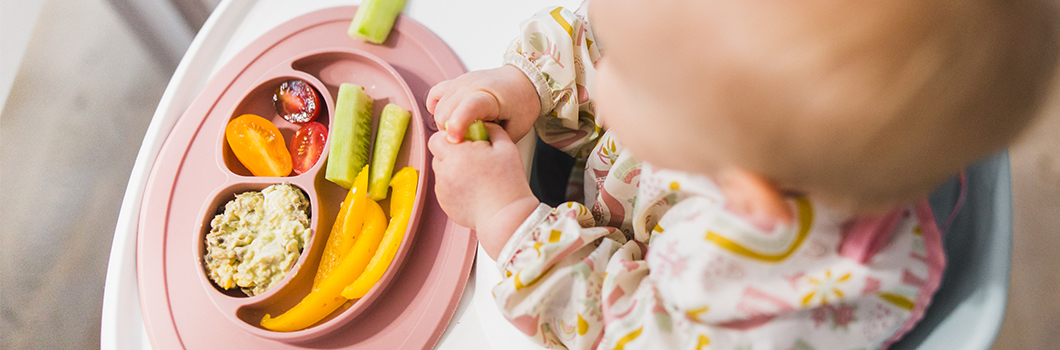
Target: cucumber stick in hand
477	132
374	19
351	134
392	125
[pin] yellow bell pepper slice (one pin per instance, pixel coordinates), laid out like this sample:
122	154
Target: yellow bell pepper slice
347	226
401	201
326	297
368	242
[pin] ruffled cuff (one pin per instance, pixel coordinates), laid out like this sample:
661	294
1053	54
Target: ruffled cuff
523	233
532	72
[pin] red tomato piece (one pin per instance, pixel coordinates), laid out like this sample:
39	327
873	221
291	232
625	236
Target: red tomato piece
296	101
306	146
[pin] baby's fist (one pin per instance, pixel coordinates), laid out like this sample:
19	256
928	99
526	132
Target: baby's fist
502	95
482	185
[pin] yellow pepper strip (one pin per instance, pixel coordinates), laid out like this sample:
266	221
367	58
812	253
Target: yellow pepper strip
325	298
347	225
368	242
402	198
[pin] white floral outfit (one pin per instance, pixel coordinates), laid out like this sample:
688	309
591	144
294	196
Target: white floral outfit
658	261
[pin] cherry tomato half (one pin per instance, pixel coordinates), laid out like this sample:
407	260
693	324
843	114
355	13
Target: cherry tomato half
296	101
306	146
259	145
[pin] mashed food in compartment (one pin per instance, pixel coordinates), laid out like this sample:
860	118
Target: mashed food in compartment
257	239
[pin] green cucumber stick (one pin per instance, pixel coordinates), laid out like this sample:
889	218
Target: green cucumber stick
374	19
477	132
351	133
392	125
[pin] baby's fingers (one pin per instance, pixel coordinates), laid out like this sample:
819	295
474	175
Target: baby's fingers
438	146
479	105
437	93
497	135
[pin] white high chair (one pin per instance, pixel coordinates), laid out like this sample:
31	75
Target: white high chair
968	308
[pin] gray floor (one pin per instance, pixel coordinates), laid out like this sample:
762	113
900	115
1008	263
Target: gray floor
78	111
69	134
1032	320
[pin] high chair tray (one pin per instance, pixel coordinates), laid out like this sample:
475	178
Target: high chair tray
196	173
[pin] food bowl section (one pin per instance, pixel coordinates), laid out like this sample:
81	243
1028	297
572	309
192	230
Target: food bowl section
254	234
265	101
246	269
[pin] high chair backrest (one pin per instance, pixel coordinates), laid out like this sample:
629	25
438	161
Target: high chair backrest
967	310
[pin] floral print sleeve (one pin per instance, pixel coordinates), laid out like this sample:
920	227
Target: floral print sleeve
556	51
560	260
659	261
555	274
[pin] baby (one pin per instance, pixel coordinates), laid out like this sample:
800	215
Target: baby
757	172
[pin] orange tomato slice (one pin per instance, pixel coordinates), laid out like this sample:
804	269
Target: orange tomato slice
258	144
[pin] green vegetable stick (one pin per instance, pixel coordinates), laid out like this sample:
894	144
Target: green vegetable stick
374	19
350	135
477	132
392	125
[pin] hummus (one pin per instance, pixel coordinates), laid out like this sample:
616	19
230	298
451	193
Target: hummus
257	239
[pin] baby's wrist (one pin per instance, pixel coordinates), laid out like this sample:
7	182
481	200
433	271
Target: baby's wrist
528	70
521	99
494	230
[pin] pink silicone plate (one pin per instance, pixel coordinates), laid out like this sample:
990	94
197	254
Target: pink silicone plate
196	174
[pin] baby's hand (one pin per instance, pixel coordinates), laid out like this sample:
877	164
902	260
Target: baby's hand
501	95
482	185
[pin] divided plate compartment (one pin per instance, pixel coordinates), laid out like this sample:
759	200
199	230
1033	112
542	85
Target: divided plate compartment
324	70
196	173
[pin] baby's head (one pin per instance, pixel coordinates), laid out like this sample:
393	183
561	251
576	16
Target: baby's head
863	104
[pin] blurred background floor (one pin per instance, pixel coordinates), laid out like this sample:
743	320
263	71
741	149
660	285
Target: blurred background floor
1032	319
69	133
81	102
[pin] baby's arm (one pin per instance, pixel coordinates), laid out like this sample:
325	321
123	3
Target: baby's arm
482	185
557	52
563	274
545	74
